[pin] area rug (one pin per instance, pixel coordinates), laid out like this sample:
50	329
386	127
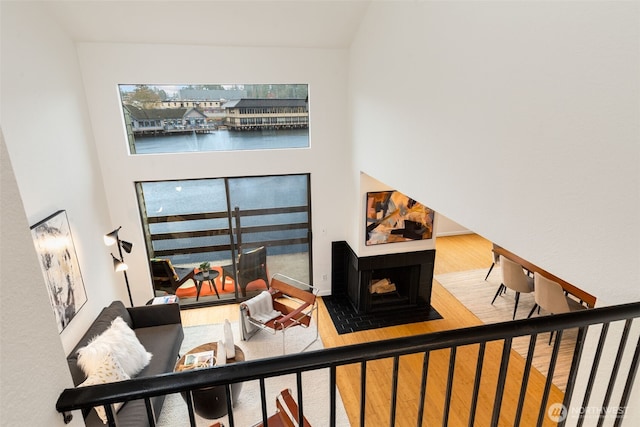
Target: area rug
346	320
189	290
470	288
247	411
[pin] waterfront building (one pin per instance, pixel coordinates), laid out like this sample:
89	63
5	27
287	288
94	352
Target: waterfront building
151	121
209	101
203	105
254	114
241	114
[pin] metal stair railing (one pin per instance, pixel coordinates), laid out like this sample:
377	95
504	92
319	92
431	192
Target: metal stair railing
331	358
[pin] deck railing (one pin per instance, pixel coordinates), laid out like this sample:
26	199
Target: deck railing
620	378
232	233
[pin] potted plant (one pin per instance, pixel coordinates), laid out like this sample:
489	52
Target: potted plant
204	268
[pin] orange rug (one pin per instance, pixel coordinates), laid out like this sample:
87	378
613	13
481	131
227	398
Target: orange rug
189	290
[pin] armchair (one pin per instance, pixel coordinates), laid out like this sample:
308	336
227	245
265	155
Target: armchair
287	413
252	265
284	306
166	277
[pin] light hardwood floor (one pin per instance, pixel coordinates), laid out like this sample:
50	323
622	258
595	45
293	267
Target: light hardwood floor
454	253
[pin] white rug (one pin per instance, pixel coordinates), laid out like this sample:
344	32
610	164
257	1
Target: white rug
470	288
247	411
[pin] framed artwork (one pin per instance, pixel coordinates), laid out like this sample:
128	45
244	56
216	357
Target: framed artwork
57	254
393	217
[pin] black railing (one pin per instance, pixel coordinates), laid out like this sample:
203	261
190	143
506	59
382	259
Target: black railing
237	232
145	388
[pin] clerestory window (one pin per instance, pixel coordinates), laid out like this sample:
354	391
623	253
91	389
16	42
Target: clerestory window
179	118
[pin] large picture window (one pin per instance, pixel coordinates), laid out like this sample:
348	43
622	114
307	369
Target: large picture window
191	118
190	222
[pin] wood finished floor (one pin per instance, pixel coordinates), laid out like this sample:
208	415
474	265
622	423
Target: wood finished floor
453	253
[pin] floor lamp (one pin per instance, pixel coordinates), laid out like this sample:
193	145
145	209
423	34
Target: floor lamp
118	263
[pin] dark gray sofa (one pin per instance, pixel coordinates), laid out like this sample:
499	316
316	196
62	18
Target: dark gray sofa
159	329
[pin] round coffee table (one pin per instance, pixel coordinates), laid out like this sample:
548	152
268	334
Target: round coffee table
211	402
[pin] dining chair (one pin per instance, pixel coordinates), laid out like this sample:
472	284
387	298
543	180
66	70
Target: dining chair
550	296
515	278
496	260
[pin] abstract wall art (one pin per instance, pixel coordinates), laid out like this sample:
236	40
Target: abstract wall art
393	217
59	263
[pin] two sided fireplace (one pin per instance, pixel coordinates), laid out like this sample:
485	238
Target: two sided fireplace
382	282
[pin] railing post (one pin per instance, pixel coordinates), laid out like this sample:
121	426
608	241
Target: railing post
394	391
504	364
547	386
573	371
423	389
594	370
363	391
447	398
476	384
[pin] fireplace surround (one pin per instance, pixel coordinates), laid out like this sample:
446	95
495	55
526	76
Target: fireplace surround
410	272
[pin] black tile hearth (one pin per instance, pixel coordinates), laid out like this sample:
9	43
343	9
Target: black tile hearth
347	320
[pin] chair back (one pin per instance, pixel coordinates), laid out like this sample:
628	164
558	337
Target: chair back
549	295
252	265
166	277
162	271
514	277
252	259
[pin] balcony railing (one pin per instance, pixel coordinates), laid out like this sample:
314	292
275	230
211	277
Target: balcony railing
235	239
619	378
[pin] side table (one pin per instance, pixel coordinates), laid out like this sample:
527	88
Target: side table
199	278
211	402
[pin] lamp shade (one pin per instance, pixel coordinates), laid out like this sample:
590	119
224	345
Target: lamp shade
119	265
111	238
127	246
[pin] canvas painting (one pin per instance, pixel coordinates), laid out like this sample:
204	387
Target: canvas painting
393	217
56	251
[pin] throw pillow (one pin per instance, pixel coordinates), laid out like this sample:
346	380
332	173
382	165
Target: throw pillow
107	371
119	340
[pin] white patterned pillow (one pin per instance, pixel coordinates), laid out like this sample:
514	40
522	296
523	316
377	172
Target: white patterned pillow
121	342
108	371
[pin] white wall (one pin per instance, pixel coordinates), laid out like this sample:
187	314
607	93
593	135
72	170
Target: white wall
49	164
49	141
447	227
520	120
527	113
26	358
104	66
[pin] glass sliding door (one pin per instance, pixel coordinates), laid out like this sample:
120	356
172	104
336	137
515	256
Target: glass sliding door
189	222
274	212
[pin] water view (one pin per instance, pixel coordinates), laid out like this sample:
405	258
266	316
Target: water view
178	198
223	140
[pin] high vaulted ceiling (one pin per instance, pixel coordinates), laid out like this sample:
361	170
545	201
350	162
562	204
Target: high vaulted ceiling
299	23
